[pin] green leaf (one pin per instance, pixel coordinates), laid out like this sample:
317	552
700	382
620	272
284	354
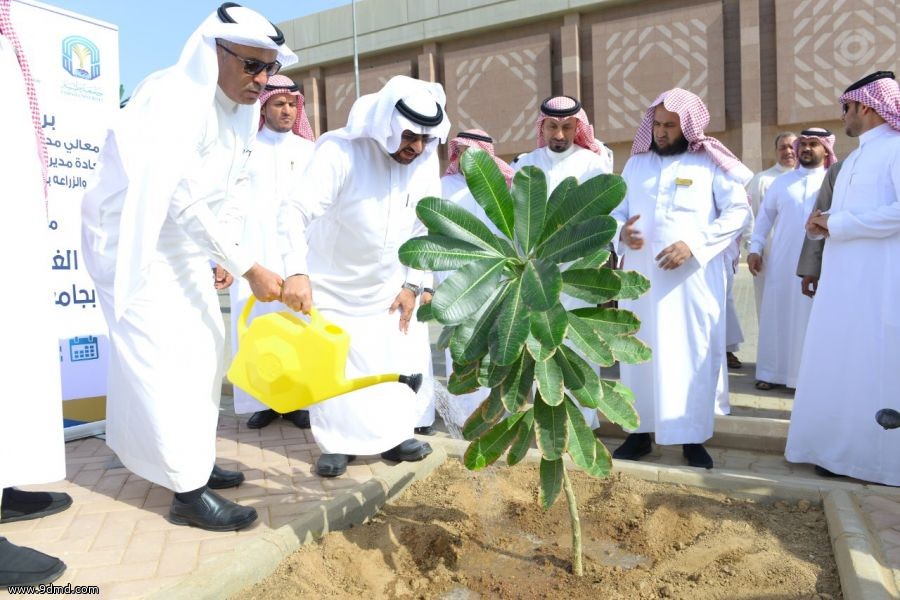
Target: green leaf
550	428
529	193
479	338
463	379
549	379
443	341
522	441
591	285
557	198
465	291
572	376
460	340
440	253
549	327
616	404
628	349
424	314
488	186
489	447
512	327
584	448
551	481
537	350
590	392
595	197
484	417
589	341
541	283
609	321
515	387
577	240
592	261
442	217
496	374
633	284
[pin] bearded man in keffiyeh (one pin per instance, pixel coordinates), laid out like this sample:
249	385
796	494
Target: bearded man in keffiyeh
685	205
31	436
784	313
852	345
169	197
566	146
283	147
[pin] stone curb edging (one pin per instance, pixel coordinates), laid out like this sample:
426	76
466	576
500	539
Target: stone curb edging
253	561
857	551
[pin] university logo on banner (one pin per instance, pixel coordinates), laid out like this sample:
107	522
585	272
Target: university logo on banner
81	57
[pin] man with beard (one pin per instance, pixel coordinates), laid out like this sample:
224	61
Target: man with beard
685	204
784	314
340	234
852	347
283	147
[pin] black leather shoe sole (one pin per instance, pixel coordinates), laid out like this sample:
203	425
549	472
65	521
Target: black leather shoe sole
261	419
19	505
418	454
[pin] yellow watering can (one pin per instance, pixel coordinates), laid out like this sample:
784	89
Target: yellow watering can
289	364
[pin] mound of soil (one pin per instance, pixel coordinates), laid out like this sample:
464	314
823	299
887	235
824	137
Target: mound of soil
461	535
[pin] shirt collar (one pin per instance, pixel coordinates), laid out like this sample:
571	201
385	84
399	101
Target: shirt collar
556	157
874	133
228	105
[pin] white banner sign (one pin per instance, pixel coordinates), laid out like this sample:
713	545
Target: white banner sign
75	64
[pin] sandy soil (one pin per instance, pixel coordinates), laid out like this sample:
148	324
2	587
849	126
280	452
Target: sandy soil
460	535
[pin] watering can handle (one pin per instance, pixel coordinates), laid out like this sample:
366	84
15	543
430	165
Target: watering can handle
314	316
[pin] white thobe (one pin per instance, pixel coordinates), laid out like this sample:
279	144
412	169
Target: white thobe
166	362
274	169
680	198
851	354
31	437
363	203
785	311
581	164
757	190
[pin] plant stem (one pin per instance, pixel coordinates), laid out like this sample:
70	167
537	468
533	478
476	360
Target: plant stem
577	567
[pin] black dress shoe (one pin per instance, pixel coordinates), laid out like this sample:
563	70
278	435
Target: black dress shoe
424	430
697	456
211	512
332	465
221	479
19	505
24	566
634	447
409	451
262	418
823	472
300	418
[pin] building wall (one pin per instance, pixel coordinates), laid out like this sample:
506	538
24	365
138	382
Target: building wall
762	66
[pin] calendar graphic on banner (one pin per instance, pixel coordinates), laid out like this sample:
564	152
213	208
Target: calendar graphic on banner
84	348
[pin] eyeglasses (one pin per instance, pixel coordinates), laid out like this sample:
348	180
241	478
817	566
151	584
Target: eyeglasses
414	137
254	66
845	107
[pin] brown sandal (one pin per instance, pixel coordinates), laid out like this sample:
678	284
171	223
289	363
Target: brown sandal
765	386
733	361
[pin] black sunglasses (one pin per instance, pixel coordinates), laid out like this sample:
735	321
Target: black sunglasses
254	66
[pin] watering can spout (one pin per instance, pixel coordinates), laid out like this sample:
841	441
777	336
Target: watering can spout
413	381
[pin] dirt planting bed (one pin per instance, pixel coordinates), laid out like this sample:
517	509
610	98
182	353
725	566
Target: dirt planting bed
460	535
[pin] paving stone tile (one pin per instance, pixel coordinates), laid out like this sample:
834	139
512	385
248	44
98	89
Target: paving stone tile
158	496
115	573
84	527
178	558
88	478
140	588
134	489
144	546
116	531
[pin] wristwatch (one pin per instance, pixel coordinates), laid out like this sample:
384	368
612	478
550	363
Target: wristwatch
428	291
411	287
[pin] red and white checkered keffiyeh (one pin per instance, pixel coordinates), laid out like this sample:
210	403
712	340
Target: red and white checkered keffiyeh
279	84
824	137
9	32
584	133
883	95
460	142
694	119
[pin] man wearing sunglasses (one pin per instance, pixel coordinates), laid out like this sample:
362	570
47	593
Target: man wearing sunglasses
167	200
340	236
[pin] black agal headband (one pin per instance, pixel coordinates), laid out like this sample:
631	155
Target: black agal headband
226	17
419	118
560	112
869	79
474	136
